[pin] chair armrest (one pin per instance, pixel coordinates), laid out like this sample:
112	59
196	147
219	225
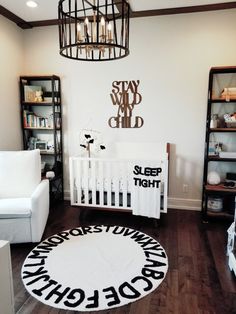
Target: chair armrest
40	210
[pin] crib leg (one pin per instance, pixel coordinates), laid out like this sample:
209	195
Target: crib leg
155	222
81	214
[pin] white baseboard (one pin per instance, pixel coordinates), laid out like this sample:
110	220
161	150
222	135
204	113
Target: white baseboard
182	203
66	195
176	203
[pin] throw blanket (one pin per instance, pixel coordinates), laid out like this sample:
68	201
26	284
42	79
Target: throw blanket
146	188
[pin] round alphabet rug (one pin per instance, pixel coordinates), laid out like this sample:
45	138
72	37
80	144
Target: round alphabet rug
94	268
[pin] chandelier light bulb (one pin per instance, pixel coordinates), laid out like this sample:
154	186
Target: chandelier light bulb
79	36
103	26
86	21
109	27
86	29
102	21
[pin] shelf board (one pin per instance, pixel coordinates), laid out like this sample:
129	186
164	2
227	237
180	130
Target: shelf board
219	188
40	77
223	70
217	158
223	100
35	128
222	214
40	103
223	130
48	153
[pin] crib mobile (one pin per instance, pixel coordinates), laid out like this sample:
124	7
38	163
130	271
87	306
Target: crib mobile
88	142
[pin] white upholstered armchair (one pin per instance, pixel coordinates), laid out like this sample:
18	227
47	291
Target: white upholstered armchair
24	198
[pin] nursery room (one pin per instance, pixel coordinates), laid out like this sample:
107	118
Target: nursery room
117	156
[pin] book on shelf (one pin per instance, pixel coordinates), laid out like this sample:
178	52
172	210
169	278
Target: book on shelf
31	120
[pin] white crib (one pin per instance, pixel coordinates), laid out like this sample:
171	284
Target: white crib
107	183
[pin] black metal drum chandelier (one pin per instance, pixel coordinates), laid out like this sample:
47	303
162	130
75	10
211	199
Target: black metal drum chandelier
94	30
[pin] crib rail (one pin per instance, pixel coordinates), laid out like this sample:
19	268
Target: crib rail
107	183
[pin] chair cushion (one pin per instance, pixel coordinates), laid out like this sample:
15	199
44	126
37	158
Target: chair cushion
15	208
20	173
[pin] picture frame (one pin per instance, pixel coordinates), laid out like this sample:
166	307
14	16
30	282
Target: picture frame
30	92
41	145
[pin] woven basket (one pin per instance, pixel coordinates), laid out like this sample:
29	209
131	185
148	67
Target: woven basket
230	124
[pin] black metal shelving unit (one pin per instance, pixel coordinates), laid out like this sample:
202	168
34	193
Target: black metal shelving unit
219	78
37	131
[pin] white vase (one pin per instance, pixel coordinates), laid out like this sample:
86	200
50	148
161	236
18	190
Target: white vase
213	178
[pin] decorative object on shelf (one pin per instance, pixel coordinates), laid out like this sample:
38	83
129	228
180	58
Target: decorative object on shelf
30	92
215	204
214	148
230	120
96	30
31	143
214	121
211	148
218	148
50	146
51	121
213	178
125	95
227	154
38	96
50	174
229	184
41	145
231	176
228	93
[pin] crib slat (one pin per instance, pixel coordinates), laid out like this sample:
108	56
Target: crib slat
72	181
78	177
93	181
157	195
85	175
158	200
108	176
124	184
101	182
115	180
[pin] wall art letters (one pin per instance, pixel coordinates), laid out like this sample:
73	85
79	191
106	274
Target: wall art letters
125	96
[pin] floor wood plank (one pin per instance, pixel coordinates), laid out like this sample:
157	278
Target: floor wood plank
198	280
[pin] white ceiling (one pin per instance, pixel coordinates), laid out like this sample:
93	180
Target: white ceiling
143	5
47	9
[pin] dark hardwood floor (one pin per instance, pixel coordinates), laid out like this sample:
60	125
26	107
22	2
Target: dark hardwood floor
198	280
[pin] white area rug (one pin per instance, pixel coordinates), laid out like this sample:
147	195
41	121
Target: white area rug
94	268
